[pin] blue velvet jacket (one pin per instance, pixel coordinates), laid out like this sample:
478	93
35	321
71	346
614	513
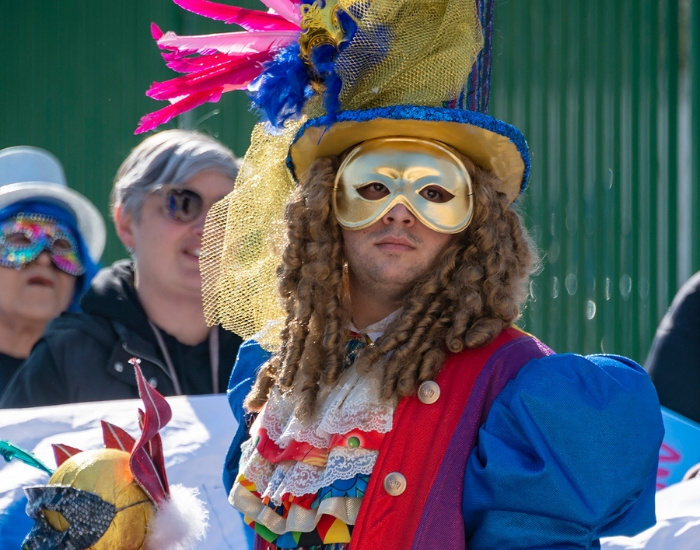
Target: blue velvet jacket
566	452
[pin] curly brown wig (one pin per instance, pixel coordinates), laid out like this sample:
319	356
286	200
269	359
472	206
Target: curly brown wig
475	290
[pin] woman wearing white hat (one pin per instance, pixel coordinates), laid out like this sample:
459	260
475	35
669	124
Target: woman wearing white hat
51	239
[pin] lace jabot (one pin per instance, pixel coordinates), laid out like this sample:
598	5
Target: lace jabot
295	475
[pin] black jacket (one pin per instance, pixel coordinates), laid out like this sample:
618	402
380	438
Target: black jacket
8	367
674	359
85	356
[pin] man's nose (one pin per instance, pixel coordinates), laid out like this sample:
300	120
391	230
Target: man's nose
399	214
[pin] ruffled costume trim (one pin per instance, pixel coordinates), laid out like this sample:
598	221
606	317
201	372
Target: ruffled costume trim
305	481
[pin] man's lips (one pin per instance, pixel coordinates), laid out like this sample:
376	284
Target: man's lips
395	243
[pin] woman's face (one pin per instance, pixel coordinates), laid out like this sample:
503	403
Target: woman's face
166	251
39	263
36	293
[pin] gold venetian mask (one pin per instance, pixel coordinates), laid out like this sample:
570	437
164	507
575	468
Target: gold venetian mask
426	176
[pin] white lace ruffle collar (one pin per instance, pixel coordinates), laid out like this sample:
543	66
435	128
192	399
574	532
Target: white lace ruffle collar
352	404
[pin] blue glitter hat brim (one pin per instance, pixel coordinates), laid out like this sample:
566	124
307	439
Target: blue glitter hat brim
488	142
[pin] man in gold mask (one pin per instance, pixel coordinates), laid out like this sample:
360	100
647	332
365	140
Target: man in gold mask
372	251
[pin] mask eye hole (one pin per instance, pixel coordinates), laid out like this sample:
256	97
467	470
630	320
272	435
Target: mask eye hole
434	193
61	246
17	239
373	191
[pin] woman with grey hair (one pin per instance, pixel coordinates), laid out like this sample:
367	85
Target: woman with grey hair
150	306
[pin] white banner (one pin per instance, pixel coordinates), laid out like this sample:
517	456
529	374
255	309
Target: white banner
195	443
677	522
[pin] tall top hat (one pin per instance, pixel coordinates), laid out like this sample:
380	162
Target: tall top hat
327	75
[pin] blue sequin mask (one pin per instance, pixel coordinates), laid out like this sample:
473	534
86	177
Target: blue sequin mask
87	514
24	236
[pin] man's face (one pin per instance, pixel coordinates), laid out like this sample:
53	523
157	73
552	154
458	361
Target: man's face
386	257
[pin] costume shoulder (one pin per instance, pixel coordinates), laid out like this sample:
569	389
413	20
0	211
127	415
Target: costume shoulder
575	441
250	357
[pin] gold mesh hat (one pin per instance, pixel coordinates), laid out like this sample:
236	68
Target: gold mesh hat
335	73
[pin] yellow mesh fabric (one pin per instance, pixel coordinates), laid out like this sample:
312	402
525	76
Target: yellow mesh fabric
409	52
244	238
433	46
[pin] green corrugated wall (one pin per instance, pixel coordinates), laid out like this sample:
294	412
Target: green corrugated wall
603	91
72	79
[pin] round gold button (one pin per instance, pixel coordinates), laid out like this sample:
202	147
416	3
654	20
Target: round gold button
429	392
394	484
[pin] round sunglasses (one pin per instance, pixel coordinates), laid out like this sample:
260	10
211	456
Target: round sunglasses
181	205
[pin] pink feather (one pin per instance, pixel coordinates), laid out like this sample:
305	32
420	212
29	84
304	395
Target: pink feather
251	20
289	9
227	61
233	74
229	43
156	33
153	120
171	55
193	64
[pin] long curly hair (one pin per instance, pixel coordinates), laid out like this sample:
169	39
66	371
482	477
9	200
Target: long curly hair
475	290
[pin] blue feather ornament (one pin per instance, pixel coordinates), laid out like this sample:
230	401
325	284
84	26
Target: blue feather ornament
281	90
285	85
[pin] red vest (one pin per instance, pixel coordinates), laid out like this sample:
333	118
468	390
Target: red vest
430	444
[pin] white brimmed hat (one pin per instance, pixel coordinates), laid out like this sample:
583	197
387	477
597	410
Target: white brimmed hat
31	173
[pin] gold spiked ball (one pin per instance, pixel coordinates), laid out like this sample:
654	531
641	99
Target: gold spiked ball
106	473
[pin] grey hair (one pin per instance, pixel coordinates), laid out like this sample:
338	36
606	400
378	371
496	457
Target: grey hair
173	157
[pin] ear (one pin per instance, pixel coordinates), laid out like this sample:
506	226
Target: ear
124	224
